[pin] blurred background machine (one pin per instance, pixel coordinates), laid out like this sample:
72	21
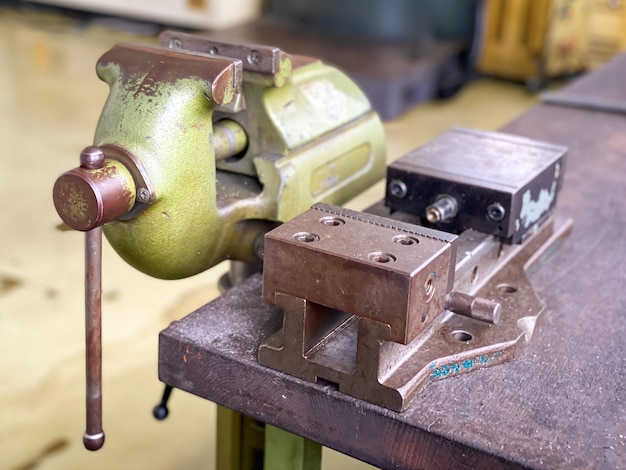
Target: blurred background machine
399	52
402	52
535	41
202	14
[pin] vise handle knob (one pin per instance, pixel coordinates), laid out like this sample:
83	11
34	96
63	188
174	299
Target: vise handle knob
95	193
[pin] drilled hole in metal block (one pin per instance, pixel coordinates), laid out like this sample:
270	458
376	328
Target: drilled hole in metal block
405	240
332	221
474	275
381	257
429	286
507	289
306	237
461	335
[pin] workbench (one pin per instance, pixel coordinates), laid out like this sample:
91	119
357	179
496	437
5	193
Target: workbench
560	404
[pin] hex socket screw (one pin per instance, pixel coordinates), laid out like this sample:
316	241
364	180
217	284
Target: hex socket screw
496	212
398	189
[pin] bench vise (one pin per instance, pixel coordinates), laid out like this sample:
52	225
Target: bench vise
203	146
200	149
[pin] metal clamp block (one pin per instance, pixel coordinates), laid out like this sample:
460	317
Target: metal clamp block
352	286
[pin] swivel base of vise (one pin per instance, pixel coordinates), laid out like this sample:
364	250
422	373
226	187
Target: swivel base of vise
371	355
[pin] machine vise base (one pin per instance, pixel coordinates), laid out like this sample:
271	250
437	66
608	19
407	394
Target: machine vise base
426	328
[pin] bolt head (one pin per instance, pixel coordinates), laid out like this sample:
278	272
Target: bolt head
398	189
143	194
496	212
176	43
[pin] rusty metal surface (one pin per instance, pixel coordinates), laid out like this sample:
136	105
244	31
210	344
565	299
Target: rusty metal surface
500	184
255	58
219	343
388	272
97	192
168	66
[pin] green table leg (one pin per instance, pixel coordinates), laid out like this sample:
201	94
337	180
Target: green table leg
240	441
286	451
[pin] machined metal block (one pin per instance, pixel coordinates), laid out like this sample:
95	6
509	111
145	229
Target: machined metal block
488	181
391	272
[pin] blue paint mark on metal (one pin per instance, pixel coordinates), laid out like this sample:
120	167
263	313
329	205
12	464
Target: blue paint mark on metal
455	367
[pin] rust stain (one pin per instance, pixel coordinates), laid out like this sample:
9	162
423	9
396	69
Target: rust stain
164	66
53	447
185	355
148	86
9	283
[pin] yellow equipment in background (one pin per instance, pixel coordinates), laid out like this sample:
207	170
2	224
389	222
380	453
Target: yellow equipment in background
532	40
607	30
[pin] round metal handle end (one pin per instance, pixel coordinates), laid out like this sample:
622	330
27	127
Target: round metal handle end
93	442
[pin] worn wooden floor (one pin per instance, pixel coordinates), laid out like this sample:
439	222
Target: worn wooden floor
50	99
